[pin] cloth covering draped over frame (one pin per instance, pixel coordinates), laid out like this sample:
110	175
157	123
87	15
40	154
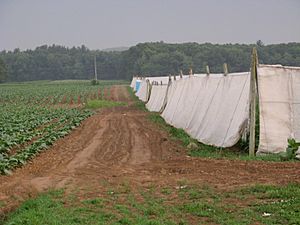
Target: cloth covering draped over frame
279	106
213	109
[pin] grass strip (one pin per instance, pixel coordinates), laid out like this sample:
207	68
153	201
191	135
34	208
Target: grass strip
97	104
258	204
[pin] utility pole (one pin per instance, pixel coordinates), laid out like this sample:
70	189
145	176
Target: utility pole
95	66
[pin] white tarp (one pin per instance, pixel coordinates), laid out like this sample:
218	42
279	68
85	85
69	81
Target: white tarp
143	91
132	85
213	109
164	79
279	106
158	94
137	85
157	98
160	79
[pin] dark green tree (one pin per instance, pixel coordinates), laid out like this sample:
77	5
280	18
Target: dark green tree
3	71
58	62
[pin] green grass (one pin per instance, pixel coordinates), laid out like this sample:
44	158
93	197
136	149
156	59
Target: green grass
51	208
207	151
137	103
282	203
96	104
203	150
261	204
178	134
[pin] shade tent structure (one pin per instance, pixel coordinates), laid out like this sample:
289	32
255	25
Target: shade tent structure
213	109
133	82
137	85
143	91
157	99
144	88
160	80
218	109
165	79
279	106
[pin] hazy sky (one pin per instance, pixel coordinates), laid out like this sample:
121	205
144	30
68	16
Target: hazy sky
102	24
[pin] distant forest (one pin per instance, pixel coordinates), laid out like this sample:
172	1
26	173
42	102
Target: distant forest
148	59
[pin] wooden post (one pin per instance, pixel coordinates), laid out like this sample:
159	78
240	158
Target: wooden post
180	74
149	86
174	77
161	82
170	78
207	70
95	67
191	71
253	96
225	68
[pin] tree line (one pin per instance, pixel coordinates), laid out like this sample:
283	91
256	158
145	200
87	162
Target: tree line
149	59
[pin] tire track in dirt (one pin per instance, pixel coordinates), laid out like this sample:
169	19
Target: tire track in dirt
121	144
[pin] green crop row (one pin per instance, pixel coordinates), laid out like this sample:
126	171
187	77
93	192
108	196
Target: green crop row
34	115
47	93
74	118
20	124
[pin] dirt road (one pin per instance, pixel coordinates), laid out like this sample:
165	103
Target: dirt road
121	145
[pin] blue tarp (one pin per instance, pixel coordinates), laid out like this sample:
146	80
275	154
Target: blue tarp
137	85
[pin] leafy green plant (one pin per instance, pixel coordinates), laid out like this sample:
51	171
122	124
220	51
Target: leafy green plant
291	149
94	82
34	115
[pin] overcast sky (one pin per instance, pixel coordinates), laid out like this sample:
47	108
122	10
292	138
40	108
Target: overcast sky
102	24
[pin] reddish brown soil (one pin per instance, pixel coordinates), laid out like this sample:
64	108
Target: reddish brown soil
121	145
117	95
106	93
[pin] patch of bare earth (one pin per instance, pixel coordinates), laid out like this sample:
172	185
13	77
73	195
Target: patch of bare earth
120	145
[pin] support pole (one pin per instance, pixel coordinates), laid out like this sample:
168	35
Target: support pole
207	70
180	74
149	87
95	67
253	97
191	71
225	68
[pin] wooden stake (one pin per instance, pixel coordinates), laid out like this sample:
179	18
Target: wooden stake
191	71
253	96
225	68
180	74
170	78
149	86
174	77
207	70
161	82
